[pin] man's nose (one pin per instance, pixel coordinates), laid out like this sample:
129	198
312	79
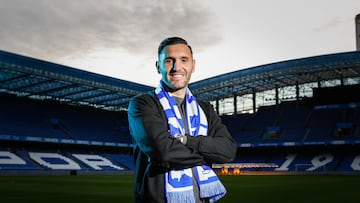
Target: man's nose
174	65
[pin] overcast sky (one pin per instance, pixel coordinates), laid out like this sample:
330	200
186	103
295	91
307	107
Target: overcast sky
119	38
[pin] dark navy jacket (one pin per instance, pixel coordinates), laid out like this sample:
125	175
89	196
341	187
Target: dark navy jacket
156	152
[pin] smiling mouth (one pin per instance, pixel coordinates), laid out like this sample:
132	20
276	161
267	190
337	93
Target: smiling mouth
177	76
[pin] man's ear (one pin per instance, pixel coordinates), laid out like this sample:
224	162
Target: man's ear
157	66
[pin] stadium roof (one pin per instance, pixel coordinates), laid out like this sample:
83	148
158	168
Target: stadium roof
29	77
277	75
37	79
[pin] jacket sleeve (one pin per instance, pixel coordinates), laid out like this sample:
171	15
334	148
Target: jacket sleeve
218	146
149	129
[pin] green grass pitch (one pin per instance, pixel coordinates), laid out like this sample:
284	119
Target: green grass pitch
245	189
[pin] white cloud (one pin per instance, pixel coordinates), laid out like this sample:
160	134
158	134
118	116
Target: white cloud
120	37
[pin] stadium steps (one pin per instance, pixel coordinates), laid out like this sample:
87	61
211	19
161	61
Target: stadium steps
121	163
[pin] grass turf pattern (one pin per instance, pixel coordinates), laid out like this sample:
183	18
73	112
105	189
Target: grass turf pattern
108	188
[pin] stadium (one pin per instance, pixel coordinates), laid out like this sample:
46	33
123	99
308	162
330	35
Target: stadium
296	118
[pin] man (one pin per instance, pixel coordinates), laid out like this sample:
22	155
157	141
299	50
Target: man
176	137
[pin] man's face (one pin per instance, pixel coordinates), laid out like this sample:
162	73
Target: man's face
176	66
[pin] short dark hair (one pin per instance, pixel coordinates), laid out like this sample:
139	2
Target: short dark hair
172	41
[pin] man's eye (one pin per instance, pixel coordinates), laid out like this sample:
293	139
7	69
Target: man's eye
168	61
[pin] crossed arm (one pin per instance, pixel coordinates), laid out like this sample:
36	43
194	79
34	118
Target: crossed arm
149	129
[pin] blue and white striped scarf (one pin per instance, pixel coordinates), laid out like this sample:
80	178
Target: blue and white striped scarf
178	183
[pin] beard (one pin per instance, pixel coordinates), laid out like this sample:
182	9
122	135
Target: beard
173	86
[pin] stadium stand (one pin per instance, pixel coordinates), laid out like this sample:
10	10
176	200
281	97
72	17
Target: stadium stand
55	118
310	126
23	117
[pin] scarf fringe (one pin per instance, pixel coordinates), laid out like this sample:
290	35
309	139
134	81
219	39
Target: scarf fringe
177	197
214	191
